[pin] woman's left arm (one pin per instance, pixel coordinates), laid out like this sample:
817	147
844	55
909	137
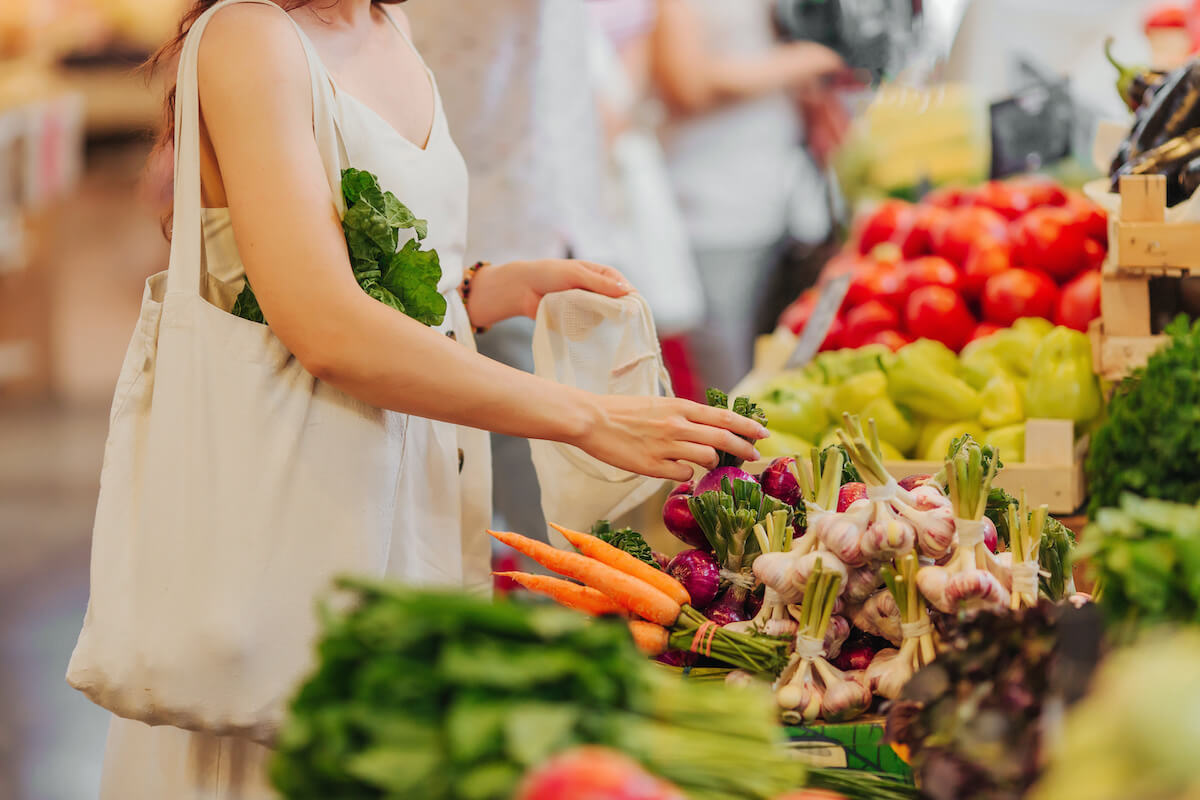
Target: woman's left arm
516	289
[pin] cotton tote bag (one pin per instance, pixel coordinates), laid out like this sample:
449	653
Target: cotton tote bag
234	487
606	346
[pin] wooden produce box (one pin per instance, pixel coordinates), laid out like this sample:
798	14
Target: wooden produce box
1143	246
1051	474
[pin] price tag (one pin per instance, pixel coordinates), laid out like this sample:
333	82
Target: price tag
818	325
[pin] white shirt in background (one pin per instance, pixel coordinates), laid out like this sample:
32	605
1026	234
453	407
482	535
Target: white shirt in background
737	169
514	80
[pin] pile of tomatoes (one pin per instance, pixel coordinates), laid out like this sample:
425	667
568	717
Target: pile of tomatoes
964	262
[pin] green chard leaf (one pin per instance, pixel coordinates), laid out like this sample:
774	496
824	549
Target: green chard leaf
246	306
399	217
412	274
368	234
626	539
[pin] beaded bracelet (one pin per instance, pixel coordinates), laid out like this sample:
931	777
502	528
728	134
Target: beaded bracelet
464	288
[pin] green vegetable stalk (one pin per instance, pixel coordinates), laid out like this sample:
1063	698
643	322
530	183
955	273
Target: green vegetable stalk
404	278
741	406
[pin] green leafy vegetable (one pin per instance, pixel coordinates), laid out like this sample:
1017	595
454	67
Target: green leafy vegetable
404	279
431	695
626	539
1150	443
1146	559
741	406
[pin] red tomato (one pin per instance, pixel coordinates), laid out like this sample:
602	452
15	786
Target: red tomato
948	197
984	329
867	319
1041	191
875	282
1093	254
986	259
1006	198
888	253
590	773
1050	240
939	312
1018	293
796	315
891	221
1079	301
845	261
1092	217
919	241
928	271
891	339
833	339
964	227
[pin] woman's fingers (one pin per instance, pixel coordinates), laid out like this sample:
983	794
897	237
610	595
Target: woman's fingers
714	439
699	454
602	280
671	470
724	418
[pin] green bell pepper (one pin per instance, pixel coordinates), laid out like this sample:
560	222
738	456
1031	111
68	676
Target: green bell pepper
1002	403
1009	440
1062	384
1013	348
854	393
780	443
931	391
799	411
939	443
931	352
1039	327
893	425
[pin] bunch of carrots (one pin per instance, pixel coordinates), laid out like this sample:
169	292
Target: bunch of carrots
612	581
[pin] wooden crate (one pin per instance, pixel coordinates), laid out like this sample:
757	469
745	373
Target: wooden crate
1052	472
1142	246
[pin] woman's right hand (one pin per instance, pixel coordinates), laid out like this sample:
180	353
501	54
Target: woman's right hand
661	437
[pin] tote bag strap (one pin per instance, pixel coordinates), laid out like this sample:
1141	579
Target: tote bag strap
184	272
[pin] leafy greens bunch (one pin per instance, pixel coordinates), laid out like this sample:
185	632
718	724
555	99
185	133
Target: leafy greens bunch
1150	443
626	539
405	278
1146	559
428	695
741	406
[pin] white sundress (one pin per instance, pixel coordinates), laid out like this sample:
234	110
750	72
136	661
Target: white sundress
443	491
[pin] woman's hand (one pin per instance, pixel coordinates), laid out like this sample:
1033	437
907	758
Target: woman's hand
516	289
661	437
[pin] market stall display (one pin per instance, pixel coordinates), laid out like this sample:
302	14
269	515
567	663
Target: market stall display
962	263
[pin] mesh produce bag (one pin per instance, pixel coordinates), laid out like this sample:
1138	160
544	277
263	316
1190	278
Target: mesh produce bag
606	346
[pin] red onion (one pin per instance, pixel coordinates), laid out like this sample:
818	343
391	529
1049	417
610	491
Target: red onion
912	481
730	607
856	655
683	488
680	522
699	573
754	604
849	493
662	559
778	481
712	481
677	658
990	537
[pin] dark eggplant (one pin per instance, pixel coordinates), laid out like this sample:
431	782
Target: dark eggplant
1189	176
1173	110
1133	83
1168	158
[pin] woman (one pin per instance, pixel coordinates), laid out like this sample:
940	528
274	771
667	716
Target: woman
735	153
269	213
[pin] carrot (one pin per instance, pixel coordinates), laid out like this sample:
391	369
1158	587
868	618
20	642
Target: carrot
629	592
604	552
651	639
571	595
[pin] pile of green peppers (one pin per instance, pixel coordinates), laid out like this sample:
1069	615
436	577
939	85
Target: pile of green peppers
923	395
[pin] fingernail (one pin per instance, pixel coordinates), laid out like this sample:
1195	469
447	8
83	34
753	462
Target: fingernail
763	433
757	456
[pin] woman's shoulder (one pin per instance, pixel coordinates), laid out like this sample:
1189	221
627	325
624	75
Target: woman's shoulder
249	43
399	17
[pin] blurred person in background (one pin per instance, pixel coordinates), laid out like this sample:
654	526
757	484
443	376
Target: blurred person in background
740	102
513	75
649	237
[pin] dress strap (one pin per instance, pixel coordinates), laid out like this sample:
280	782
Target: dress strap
184	274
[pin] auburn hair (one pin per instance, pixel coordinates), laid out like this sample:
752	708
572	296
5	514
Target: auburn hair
166	54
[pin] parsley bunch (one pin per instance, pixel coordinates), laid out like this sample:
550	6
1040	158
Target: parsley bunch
405	278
